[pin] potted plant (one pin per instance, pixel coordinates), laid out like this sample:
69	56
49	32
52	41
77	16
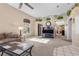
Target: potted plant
48	18
68	12
59	17
39	20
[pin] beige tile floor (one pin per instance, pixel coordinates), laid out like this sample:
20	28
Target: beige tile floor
46	46
69	50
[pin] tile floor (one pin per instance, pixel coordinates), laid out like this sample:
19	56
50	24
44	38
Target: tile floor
69	50
45	46
52	47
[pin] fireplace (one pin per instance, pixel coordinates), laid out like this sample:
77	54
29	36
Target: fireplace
48	30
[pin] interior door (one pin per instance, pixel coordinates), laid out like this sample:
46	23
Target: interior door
39	29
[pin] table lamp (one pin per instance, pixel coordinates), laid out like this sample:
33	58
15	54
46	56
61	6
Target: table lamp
20	29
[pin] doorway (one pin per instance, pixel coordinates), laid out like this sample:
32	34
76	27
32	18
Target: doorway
39	29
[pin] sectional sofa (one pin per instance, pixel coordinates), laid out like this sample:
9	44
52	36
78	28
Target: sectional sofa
8	37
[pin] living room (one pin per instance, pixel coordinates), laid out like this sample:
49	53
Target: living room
19	24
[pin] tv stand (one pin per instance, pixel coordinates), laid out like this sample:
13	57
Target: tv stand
48	33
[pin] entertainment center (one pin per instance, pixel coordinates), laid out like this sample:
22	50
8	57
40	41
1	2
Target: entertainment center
48	30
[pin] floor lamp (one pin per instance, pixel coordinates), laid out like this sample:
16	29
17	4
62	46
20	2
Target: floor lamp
20	31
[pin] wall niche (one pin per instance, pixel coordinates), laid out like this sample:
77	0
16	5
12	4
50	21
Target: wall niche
26	20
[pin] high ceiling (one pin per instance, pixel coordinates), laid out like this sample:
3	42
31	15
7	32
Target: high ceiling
44	9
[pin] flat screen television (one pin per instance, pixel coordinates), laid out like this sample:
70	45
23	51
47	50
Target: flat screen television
47	31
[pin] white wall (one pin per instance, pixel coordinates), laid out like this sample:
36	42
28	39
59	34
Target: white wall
11	19
75	26
75	35
68	29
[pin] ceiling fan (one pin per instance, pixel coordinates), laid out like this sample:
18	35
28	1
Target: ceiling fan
27	4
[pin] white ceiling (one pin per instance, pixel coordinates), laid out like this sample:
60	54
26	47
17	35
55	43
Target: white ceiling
44	9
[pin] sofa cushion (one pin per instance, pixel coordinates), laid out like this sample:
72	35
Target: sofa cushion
2	36
9	40
1	41
12	35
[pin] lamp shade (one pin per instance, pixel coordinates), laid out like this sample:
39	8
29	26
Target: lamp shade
20	28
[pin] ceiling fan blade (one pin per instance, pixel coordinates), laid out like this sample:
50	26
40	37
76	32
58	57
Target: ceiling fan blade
29	5
20	5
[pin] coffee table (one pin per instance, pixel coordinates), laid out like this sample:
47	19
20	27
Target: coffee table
16	49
